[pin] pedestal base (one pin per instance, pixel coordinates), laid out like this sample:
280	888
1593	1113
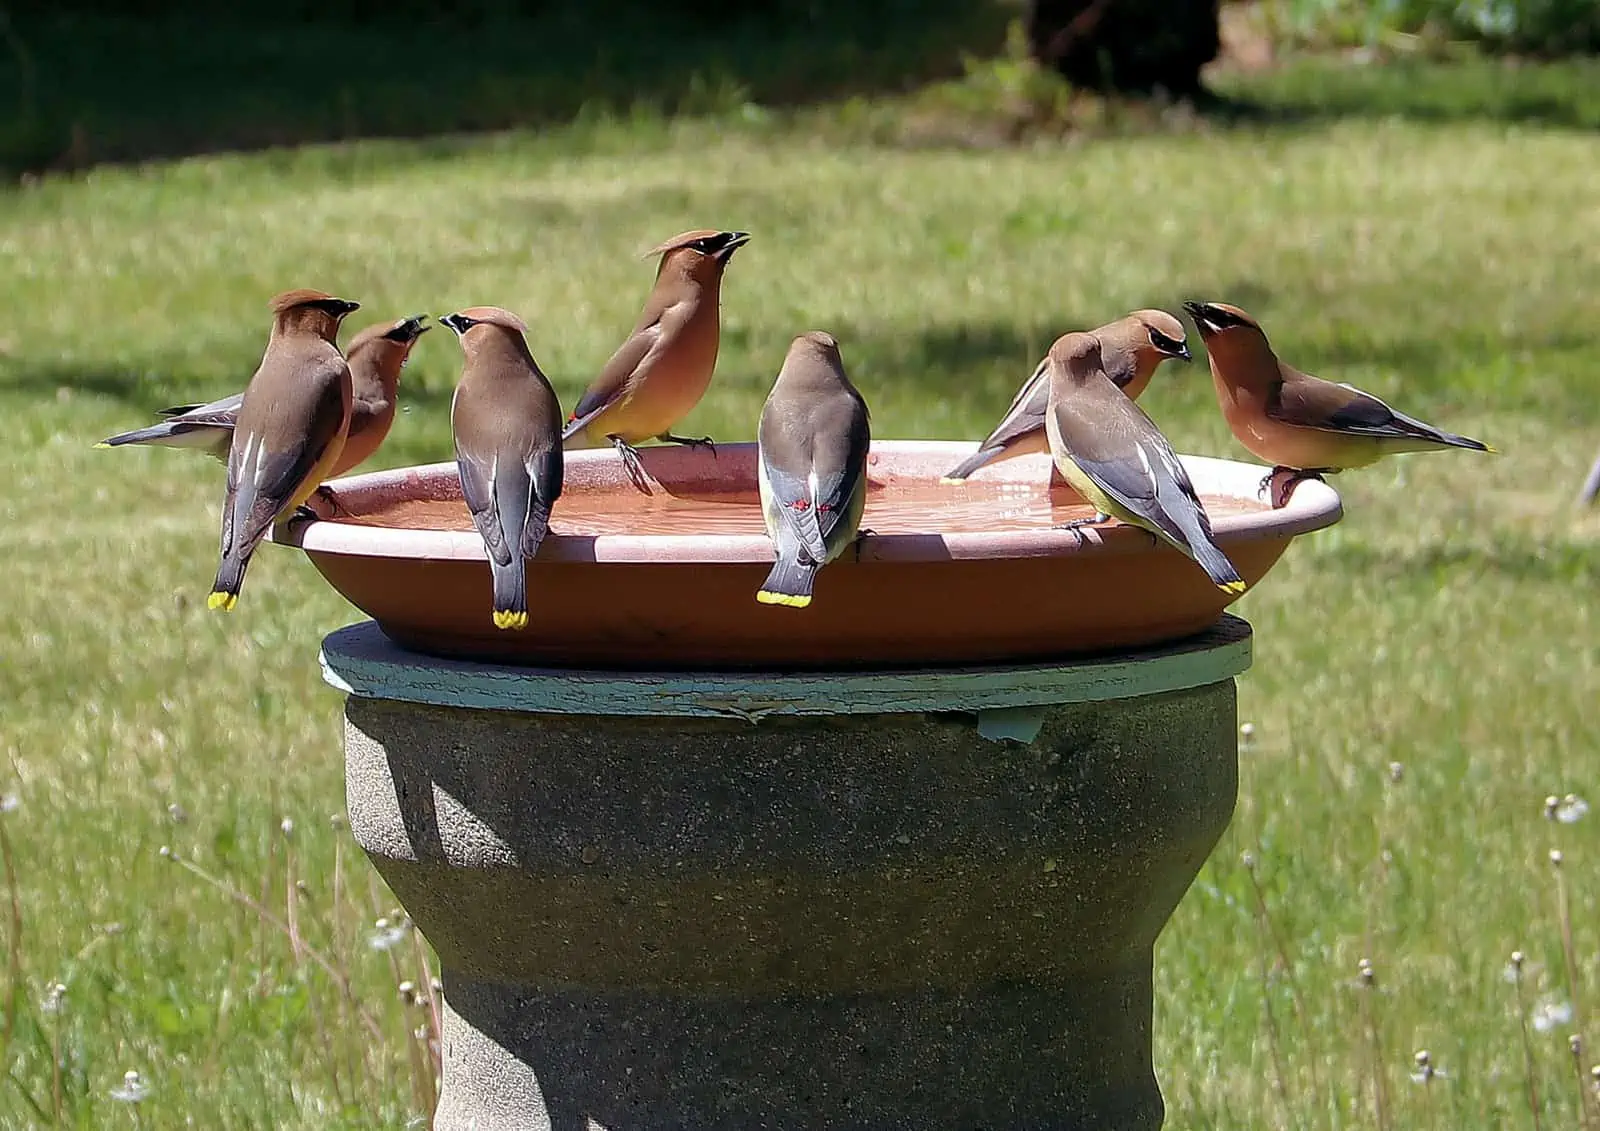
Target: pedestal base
856	912
1002	1056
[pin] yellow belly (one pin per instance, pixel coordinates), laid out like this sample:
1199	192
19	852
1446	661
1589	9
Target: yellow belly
1080	482
769	509
324	466
320	470
664	395
1091	492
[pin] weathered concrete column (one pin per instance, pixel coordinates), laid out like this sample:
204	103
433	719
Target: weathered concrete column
858	900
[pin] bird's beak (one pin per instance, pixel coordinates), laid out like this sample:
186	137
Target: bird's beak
736	240
456	323
348	307
1202	321
1183	352
415	325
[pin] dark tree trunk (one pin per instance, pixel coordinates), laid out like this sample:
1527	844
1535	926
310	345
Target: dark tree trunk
1135	46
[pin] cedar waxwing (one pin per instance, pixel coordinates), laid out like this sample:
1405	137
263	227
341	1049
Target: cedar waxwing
812	463
1591	485
1106	447
291	427
1132	348
507	425
663	369
1300	423
375	356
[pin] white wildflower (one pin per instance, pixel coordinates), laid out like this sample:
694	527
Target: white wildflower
387	935
133	1088
1571	808
55	998
1427	1072
1550	1013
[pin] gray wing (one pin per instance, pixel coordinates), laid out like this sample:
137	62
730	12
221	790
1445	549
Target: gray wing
262	480
797	512
220	413
478	476
617	374
786	452
1026	412
1129	459
545	466
839	460
1311	402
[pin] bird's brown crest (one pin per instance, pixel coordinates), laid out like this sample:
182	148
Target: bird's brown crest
1162	321
304	296
1070	347
819	338
496	316
681	240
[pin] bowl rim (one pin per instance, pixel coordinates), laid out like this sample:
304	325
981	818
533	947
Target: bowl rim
1313	505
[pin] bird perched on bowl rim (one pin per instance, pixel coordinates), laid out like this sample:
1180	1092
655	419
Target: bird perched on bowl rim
375	356
812	466
507	425
1303	425
1106	447
664	367
1132	347
291	427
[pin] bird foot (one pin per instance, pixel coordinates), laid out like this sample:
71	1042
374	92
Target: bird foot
1279	489
630	461
327	495
690	441
861	536
1077	525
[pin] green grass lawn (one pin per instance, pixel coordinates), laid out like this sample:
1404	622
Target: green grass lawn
1447	625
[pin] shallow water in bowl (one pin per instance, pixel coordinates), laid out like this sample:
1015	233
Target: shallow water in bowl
901	507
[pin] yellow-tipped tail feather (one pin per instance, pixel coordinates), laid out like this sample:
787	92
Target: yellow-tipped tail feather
768	597
951	479
102	444
1232	588
504	618
222	601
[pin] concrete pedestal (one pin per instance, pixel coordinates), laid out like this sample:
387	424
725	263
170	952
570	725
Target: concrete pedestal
881	900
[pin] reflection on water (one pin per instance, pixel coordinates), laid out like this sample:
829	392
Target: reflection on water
899	507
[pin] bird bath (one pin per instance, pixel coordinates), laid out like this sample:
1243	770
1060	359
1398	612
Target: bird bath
970	573
896	860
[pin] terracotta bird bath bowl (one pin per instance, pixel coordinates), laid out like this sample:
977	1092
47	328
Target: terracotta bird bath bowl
968	573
